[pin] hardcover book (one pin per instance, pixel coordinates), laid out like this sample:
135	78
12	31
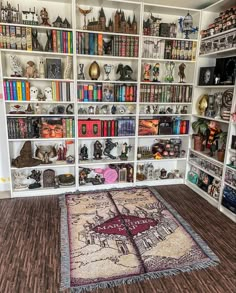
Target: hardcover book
54	70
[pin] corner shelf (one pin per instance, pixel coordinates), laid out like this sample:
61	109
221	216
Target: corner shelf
36	53
212	119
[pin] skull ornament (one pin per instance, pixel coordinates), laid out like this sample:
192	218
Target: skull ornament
33	93
48	93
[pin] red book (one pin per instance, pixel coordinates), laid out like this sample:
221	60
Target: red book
54	40
127	94
131	94
57	91
112	127
183	127
105	128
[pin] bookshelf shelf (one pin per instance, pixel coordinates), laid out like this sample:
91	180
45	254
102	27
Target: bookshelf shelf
36	53
106	57
40	139
167	38
107	81
167	135
105	137
165	60
212	119
225	53
37	79
40	115
215	86
44	166
106	115
233	187
162	160
162	103
204	170
104	161
106	103
219	34
166	83
107	33
38	27
38	102
215	161
164	115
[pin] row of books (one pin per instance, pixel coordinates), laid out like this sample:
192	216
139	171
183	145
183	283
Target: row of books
21	38
20	90
106	93
40	127
169	49
95	44
106	128
166	93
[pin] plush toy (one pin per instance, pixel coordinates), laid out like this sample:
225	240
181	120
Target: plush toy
48	93
33	93
31	71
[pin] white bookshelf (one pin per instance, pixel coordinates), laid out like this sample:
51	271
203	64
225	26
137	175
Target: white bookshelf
169	14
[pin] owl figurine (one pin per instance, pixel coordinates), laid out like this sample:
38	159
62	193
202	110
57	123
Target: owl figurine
16	67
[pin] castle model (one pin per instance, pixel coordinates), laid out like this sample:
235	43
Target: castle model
119	25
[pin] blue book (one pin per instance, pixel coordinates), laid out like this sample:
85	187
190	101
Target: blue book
14	91
23	91
91	44
8	90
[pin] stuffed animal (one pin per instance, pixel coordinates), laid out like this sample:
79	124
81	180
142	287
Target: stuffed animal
31	71
41	68
48	93
214	189
33	93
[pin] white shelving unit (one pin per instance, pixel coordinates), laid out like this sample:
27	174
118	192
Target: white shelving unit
205	60
142	10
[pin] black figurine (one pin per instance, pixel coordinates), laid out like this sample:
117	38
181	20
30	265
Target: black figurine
36	175
109	146
83	153
48	47
125	72
113	109
35	133
35	43
97	150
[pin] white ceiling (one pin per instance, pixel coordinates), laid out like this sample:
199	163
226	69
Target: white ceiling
194	4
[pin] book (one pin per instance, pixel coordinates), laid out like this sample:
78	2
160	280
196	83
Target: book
19	90
8	45
24	39
54	70
100	44
28	39
12	37
27	90
18	38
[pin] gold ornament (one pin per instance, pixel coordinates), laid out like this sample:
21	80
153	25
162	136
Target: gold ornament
85	12
202	104
94	71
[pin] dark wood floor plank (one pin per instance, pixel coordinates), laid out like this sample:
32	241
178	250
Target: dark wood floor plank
30	247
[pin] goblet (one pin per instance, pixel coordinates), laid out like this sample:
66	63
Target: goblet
107	69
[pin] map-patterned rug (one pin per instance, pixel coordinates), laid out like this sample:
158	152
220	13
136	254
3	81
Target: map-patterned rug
112	237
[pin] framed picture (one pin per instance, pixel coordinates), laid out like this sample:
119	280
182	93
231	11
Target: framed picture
54	70
206	76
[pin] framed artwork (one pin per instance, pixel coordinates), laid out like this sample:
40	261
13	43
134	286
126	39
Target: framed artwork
54	70
206	76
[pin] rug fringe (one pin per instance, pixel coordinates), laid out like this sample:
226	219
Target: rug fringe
143	277
65	253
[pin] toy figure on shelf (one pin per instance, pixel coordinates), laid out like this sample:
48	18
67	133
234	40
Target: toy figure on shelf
9	13
48	46
97	151
211	137
45	153
156	72
16	67
125	72
44	16
83	176
147	72
181	73
186	25
36	175
83	153
85	12
214	189
124	152
35	43
109	146
31	71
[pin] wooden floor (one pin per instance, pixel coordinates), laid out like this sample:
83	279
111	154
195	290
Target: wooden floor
30	251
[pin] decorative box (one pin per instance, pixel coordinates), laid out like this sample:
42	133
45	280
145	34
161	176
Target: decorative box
164	30
148	127
166	125
89	128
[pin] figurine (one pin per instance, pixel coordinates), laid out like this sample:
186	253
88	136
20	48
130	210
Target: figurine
125	149
69	109
16	67
83	153
214	188
147	70
45	153
218	102
163	174
41	68
81	73
125	72
48	93
83	176
186	25
44	16
210	111
31	71
29	109
35	43
66	23
211	141
36	175
156	72
85	12
19	178
48	46
35	125
113	109
97	180
181	73
68	67
56	182
33	93
97	152
109	146
57	22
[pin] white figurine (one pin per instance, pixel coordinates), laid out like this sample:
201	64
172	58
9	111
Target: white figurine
37	109
19	178
48	93
41	68
68	67
33	93
16	67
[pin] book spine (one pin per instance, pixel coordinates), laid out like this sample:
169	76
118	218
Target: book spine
18	38
4	38
100	44
194	48
64	127
86	43
82	43
24	39
8	37
136	46
5	90
71	42
95	44
23	91
91	44
58	91
59	41
66	51
67	127
12	37
11	90
28	39
64	41
1	37
8	90
27	91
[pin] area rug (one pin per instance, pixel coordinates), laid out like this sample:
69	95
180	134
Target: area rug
122	236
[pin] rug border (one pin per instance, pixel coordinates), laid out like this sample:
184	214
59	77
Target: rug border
65	255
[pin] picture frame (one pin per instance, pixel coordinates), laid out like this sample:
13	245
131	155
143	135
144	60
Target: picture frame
206	76
54	68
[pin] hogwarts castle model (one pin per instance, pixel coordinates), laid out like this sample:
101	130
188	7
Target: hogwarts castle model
118	25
